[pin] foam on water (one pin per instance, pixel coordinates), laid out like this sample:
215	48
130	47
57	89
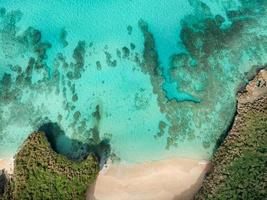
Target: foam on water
156	78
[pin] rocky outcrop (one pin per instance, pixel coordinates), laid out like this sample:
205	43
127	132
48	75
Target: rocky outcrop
256	89
3	181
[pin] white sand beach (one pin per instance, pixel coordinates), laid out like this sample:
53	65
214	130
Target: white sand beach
175	179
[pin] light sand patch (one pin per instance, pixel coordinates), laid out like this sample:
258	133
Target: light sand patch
173	179
7	164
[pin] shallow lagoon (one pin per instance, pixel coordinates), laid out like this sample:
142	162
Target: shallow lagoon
157	79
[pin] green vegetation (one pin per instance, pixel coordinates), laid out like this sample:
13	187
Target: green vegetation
240	164
41	173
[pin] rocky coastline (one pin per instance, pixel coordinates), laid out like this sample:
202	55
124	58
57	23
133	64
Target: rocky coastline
238	165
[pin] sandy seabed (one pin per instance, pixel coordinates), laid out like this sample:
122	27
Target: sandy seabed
174	179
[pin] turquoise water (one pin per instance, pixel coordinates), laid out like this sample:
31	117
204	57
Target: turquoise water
162	76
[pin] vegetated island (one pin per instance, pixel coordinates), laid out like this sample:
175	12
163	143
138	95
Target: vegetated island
240	164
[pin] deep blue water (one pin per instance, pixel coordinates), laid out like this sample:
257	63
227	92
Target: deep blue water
162	76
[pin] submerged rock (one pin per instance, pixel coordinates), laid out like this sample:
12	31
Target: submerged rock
129	29
63	37
79	53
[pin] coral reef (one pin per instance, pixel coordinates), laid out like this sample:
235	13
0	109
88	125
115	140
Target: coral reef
239	170
60	75
200	73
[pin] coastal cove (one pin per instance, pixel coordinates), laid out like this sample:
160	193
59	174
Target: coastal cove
132	99
177	179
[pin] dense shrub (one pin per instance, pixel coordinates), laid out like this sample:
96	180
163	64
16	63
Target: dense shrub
41	173
240	164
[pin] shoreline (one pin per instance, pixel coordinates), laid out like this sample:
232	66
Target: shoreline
171	179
